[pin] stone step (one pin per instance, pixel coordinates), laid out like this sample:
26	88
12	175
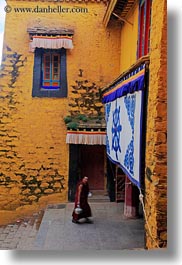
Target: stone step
98	196
98	192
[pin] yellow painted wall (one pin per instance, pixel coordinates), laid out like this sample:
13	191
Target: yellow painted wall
129	36
33	154
156	134
156	141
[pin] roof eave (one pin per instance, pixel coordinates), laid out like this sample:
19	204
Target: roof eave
109	11
119	9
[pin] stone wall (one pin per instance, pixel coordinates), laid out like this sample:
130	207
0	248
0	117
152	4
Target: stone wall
156	142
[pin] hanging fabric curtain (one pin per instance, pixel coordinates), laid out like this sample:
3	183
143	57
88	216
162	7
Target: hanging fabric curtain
86	137
123	111
50	42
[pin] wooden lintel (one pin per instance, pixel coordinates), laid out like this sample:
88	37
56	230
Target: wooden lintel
50	31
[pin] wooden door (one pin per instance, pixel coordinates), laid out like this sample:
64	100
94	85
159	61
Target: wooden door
92	165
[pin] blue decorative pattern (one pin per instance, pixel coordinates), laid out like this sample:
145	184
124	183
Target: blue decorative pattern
116	131
124	119
107	145
107	114
107	111
130	103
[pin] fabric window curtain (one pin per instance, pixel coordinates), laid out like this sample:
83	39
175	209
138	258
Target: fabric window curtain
49	42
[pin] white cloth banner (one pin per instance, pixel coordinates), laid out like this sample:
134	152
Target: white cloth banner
86	138
51	43
123	140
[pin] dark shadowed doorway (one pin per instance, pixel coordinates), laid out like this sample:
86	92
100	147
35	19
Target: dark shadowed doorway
92	165
86	160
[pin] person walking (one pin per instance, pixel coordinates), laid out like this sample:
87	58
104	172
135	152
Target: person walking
81	201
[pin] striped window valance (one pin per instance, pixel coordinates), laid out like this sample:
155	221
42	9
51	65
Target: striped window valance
51	42
131	83
86	137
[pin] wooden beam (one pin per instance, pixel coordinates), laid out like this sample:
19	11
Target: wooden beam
122	19
109	11
49	31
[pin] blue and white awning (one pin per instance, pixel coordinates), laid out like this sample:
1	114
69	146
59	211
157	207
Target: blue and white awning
123	111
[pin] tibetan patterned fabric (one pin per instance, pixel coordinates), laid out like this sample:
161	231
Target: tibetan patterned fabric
47	42
124	127
133	83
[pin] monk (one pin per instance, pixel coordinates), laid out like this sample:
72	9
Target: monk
81	200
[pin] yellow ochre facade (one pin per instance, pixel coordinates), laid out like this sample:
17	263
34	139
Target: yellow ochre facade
156	135
34	155
156	127
155	175
129	36
33	151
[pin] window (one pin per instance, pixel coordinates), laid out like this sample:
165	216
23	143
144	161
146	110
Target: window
144	27
51	70
49	77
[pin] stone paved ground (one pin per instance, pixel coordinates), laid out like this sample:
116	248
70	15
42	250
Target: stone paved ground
53	230
110	230
21	234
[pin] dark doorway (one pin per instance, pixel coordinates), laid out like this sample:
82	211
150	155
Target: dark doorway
74	173
92	165
86	160
120	184
111	179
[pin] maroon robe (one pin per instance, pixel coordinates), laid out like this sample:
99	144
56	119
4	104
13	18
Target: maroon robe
83	202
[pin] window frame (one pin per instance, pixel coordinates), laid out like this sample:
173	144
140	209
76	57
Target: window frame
144	28
49	91
48	68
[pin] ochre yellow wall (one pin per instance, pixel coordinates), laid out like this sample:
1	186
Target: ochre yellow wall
33	154
129	36
156	134
156	142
